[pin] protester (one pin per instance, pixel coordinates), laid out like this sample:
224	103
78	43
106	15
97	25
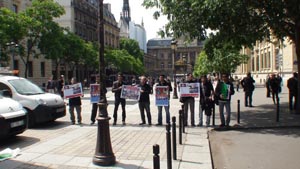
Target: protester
247	84
189	102
50	85
117	88
144	101
224	90
206	100
95	105
163	82
292	84
75	103
274	87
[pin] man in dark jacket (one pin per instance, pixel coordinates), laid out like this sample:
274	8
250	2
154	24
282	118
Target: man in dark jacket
75	103
274	87
117	88
189	102
144	101
292	84
247	84
224	90
163	82
206	100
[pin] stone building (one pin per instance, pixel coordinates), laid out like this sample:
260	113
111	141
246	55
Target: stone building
161	59
81	17
269	57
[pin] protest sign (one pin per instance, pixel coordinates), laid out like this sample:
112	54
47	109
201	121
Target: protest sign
189	89
130	92
74	90
162	96
95	93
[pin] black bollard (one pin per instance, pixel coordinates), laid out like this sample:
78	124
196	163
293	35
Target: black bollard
180	126
238	111
168	141
214	115
156	163
277	112
183	118
174	137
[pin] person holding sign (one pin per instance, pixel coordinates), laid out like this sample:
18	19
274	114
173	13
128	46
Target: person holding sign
75	103
144	101
163	82
189	102
224	90
117	88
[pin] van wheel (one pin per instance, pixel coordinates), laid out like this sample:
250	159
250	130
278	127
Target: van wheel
31	119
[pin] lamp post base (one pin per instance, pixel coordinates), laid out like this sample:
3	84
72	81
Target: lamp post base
104	155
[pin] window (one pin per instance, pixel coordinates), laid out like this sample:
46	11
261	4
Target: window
42	69
30	69
15	8
169	65
162	65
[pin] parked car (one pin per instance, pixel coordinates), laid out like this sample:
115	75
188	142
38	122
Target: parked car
41	107
13	117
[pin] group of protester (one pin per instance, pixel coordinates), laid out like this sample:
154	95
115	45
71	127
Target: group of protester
213	92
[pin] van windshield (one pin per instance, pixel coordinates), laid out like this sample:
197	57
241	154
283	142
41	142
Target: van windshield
25	87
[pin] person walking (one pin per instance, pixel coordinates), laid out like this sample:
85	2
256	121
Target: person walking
60	86
50	85
274	87
117	88
144	101
268	86
292	84
247	84
189	102
75	103
206	100
163	82
224	90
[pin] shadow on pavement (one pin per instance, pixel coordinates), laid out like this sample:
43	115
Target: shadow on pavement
53	125
119	164
18	142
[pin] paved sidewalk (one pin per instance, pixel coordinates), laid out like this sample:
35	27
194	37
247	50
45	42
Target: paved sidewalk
64	146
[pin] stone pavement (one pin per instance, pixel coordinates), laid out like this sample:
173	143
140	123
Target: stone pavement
61	145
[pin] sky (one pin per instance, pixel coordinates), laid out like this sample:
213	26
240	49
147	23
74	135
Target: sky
139	13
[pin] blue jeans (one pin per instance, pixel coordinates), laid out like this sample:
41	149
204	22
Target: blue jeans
225	104
167	108
78	111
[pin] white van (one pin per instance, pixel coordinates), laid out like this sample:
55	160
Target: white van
41	106
13	117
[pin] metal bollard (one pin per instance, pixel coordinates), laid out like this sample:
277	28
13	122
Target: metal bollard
168	142
277	112
214	115
238	111
183	118
156	162
180	126
174	137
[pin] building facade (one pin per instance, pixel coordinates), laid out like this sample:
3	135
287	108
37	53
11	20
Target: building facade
161	58
81	17
129	29
269	57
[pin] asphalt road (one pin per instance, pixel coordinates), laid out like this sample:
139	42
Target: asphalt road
275	148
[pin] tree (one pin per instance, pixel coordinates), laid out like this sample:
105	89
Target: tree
39	21
242	22
132	47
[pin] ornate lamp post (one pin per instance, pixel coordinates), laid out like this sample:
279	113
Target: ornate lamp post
104	155
174	48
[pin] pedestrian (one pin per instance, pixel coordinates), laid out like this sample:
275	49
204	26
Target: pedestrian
274	87
237	82
292	84
268	86
189	102
60	86
117	88
50	85
144	101
163	82
224	90
75	103
280	82
248	85
206	100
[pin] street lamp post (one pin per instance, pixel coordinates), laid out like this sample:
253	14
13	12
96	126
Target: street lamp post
174	48
104	155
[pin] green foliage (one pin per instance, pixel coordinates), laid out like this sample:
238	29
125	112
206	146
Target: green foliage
132	47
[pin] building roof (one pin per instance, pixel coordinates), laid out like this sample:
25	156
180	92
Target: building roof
161	42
